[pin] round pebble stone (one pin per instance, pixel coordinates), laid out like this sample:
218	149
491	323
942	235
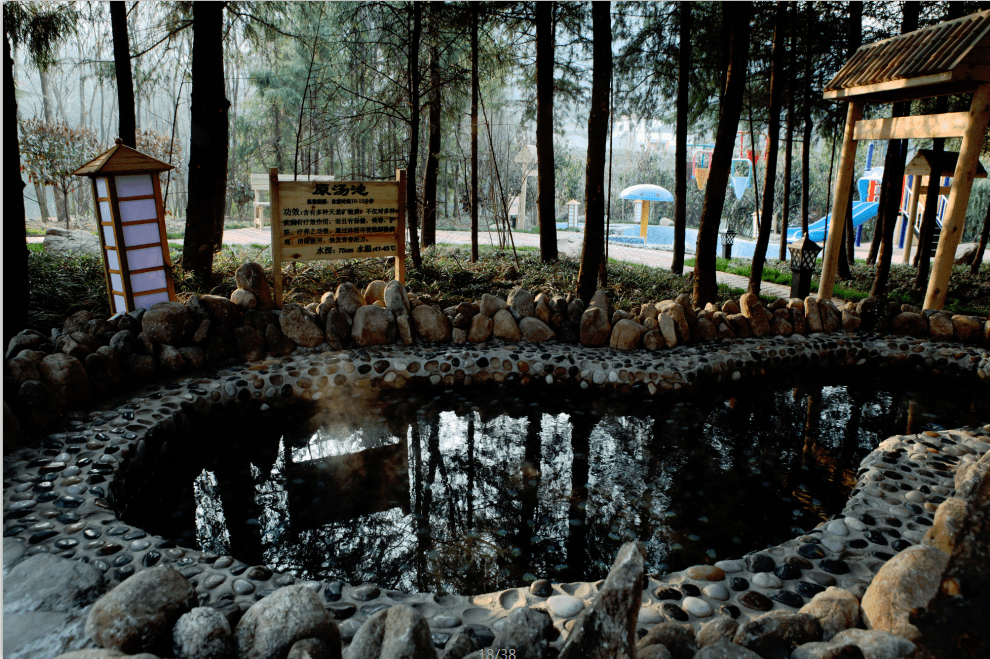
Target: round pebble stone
445	621
811	551
756	601
259	573
699	608
766	580
786	571
834	566
808	589
284	580
214	580
690	589
649	616
821	578
729	611
788	598
738	584
223	562
243	587
716	591
833	545
731	566
541	588
674	612
667	593
333	591
760	563
366	593
705	573
564	606
66	543
175	552
900	544
837	527
139	545
799	563
371	609
348	629
151	558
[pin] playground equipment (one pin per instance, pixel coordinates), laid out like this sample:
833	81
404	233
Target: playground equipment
645	192
702	164
742	175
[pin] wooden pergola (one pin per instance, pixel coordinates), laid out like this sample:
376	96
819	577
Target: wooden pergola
948	58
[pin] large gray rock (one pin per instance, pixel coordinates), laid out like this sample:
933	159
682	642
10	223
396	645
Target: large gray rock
595	329
168	322
626	335
676	312
491	304
607	629
527	631
26	340
375	291
222	310
967	328
71	243
718	630
251	277
836	610
293	613
431	325
679	639
481	328
725	650
134	616
349	298
907	581
752	307
66	375
300	325
399	632
534	330
912	324
396	298
373	326
504	326
521	303
775	634
873	644
45	582
203	633
668	329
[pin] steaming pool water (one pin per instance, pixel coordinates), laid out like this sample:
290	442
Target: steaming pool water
483	488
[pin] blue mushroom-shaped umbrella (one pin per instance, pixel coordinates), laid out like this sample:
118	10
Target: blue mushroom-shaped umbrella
646	193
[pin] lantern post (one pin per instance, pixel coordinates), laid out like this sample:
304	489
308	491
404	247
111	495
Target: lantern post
131	217
804	256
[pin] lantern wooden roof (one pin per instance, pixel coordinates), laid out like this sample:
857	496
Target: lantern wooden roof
122	159
948	58
924	161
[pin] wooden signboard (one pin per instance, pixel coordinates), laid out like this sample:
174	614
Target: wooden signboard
331	220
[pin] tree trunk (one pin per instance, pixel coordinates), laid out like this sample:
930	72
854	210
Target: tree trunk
412	208
207	144
737	15
680	146
546	215
855	28
433	158
16	284
806	148
46	101
773	133
127	125
593	251
788	154
474	133
984	236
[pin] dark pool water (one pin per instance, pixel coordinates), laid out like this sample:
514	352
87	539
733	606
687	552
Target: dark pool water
478	489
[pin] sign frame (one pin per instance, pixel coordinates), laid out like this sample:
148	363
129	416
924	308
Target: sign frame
278	249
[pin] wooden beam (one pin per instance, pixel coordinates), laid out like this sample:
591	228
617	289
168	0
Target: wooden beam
950	124
945	189
400	228
890	85
962	185
912	215
840	201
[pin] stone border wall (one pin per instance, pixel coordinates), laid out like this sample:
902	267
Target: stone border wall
93	358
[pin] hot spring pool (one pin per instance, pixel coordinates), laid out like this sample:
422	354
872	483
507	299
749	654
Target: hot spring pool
482	488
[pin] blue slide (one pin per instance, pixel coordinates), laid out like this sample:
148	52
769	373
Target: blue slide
863	211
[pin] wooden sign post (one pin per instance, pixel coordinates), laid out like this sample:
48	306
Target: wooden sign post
332	220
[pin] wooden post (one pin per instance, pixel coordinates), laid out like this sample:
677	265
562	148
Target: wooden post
644	217
840	201
400	229
955	212
276	207
521	212
916	182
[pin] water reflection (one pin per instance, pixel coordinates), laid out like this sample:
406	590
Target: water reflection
450	494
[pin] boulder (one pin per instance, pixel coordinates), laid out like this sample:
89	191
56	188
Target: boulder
595	330
251	277
250	343
600	300
400	632
481	328
676	313
752	307
222	310
45	582
812	315
575	309
626	335
338	333
607	628
66	375
375	291
725	650
396	298
528	632
195	357
872	645
717	631
521	303
967	329
653	341
873	312
533	330
203	633
836	610
940	327
705	330
171	361
168	322
71	243
907	581
775	634
220	345
668	329
300	325
491	304
373	326
76	322
911	324
290	614
679	639
431	325
504	326
244	299
542	310
136	615
25	340
349	298
850	321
